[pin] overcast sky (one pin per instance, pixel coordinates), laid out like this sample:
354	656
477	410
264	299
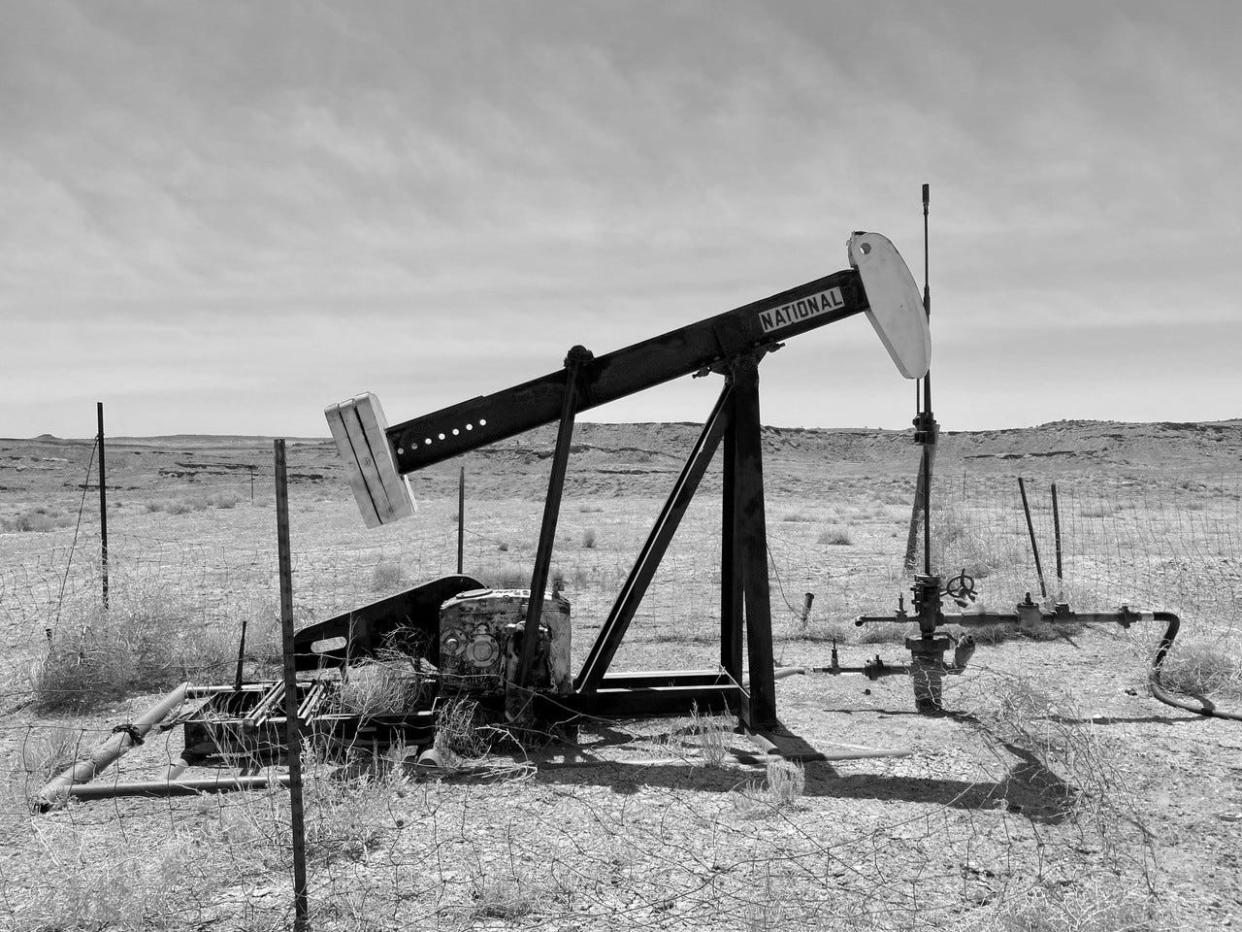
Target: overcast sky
220	216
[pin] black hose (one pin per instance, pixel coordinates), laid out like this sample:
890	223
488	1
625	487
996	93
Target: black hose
1204	706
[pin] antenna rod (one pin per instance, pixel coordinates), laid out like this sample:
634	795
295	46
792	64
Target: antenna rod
927	403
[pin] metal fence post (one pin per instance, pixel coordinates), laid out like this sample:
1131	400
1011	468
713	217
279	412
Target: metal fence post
103	507
301	909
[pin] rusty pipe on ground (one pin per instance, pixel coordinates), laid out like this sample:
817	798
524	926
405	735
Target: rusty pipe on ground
160	789
1205	707
1124	617
123	737
1028	616
781	673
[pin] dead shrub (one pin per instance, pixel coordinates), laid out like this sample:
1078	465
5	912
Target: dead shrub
783	786
1202	669
886	633
387	575
836	537
38	519
504	898
222	500
458	730
49	752
148	641
712	732
385	686
1097	904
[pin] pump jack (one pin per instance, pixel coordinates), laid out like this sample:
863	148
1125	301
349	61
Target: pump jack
731	345
508	651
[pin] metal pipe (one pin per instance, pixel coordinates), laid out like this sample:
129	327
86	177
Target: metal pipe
241	656
124	737
169	787
927	392
200	692
461	518
274	694
1125	618
1056	530
103	507
1030	527
871	671
1205	707
781	673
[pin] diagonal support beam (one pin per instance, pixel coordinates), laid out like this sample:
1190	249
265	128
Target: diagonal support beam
631	595
575	361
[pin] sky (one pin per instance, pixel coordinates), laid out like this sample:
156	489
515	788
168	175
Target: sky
220	216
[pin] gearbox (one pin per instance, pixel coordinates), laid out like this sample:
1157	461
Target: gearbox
481	634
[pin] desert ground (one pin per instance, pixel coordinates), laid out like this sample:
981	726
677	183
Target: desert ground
1059	795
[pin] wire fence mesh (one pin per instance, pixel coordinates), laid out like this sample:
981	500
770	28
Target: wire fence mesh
633	826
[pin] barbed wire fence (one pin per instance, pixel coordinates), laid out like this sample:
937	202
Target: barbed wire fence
661	843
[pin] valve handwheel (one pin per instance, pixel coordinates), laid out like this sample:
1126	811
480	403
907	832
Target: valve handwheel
961	587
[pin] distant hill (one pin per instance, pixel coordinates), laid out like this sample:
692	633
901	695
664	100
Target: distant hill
644	459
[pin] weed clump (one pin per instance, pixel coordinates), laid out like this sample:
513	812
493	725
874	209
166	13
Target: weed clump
1200	669
796	517
40	518
387	575
783	786
385	686
712	733
185	506
151	641
459	732
836	537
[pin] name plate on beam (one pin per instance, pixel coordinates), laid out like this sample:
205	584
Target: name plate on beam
358	428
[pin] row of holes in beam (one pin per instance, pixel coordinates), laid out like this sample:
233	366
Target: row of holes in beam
427	441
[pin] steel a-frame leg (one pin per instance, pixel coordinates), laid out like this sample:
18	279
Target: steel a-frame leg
577	358
613	631
745	613
744	551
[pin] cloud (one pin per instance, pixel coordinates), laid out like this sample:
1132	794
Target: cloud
442	198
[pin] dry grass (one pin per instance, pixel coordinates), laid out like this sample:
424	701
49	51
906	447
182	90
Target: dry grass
191	504
1098	904
782	788
40	518
388	575
459	732
47	753
385	686
712	732
836	537
1200	668
146	642
656	843
102	882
